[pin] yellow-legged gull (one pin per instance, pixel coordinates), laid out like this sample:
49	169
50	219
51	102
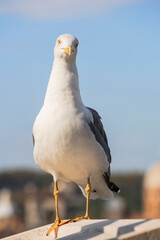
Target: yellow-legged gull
69	140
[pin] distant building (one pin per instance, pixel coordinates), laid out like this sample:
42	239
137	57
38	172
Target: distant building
9	222
151	192
6	205
31	206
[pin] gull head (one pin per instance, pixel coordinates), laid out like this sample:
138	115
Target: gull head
66	47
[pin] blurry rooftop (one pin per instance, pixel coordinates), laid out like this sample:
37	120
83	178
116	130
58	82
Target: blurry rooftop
152	176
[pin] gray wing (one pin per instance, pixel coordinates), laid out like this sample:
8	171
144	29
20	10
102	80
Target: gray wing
33	139
99	133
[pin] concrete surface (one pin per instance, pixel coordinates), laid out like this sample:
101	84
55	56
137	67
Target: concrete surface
124	229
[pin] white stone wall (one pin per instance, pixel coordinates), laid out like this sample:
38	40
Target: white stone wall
141	229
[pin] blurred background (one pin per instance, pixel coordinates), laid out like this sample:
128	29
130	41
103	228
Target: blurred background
119	70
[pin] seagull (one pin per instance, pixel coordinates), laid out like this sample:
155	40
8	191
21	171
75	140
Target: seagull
69	139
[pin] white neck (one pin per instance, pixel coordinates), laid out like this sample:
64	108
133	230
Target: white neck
63	83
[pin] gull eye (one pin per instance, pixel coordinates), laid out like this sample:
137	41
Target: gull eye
59	41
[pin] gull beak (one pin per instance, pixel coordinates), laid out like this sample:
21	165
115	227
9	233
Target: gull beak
68	50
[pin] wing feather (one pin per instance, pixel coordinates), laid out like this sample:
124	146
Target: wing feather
97	129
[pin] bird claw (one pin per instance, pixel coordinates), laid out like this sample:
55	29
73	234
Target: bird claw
78	219
57	224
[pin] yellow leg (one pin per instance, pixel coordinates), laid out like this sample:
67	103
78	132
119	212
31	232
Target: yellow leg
58	222
88	191
56	193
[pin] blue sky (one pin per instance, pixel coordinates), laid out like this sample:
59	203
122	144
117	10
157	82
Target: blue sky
119	71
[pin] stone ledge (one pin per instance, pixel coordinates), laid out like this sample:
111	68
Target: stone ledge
124	229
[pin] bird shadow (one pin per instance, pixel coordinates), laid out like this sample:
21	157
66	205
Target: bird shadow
129	227
96	229
89	231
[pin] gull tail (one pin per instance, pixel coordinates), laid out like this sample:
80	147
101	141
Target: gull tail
112	186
